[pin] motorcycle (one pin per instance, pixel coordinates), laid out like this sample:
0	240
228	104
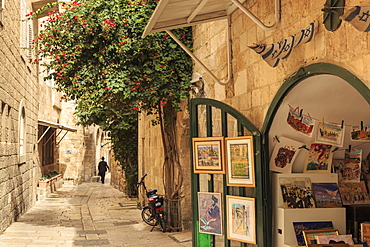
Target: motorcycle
153	213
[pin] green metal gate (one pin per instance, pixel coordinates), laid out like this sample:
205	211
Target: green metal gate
213	118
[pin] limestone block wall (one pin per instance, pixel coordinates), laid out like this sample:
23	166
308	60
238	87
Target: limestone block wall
18	85
254	82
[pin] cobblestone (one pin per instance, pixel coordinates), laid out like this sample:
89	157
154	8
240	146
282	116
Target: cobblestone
90	214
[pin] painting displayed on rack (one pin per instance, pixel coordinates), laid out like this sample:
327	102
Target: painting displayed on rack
302	123
284	154
365	232
330	133
210	211
310	235
354	193
241	219
360	133
352	165
327	195
297	192
334	239
299	227
240	161
208	155
319	158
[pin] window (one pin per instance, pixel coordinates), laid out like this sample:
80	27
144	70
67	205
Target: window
47	145
5	123
22	132
26	32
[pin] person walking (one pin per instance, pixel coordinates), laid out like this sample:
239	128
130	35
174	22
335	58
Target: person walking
102	167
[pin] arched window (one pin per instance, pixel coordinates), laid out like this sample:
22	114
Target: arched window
5	123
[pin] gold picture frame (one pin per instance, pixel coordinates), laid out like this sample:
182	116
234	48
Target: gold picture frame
309	235
240	161
208	155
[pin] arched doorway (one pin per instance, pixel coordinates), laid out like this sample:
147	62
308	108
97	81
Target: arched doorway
327	94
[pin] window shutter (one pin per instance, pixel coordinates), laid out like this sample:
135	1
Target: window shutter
23	25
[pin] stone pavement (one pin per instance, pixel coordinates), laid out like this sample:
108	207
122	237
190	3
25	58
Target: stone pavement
90	214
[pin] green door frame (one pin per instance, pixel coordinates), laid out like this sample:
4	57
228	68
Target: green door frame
257	191
289	84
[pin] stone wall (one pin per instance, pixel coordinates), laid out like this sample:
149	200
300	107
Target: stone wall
255	83
18	85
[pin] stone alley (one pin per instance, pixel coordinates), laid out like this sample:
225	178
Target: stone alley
90	214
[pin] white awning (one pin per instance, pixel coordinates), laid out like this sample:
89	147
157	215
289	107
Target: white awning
172	14
56	125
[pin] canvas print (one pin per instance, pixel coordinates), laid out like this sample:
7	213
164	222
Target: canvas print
299	227
352	165
240	161
360	133
210	220
297	192
241	219
310	235
319	158
300	122
208	155
337	165
284	154
354	193
326	195
330	133
365	232
335	239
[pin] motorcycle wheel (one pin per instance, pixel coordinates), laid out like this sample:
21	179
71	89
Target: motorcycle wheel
163	221
147	217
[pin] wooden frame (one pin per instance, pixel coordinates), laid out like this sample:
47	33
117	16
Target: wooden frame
240	161
208	155
210	213
309	235
241	219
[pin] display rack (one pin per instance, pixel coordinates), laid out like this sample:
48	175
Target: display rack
283	231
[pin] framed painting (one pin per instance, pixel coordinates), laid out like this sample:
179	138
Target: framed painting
208	155
335	239
319	158
241	219
365	232
327	195
240	161
210	212
299	227
310	235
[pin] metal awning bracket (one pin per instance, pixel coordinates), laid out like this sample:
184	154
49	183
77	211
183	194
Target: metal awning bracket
43	134
62	137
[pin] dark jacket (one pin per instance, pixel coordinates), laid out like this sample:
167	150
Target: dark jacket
103	166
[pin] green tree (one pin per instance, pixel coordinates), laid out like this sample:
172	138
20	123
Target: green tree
94	52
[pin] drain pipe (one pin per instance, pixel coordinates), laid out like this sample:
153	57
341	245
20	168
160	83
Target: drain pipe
229	55
256	20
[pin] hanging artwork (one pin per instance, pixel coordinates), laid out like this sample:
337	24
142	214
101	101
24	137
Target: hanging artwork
300	122
297	192
360	133
338	165
210	220
319	158
330	133
241	219
240	161
208	155
352	165
284	154
327	195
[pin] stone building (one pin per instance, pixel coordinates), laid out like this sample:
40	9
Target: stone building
38	132
251	94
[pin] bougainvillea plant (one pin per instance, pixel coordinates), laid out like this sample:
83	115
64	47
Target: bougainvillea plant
94	52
